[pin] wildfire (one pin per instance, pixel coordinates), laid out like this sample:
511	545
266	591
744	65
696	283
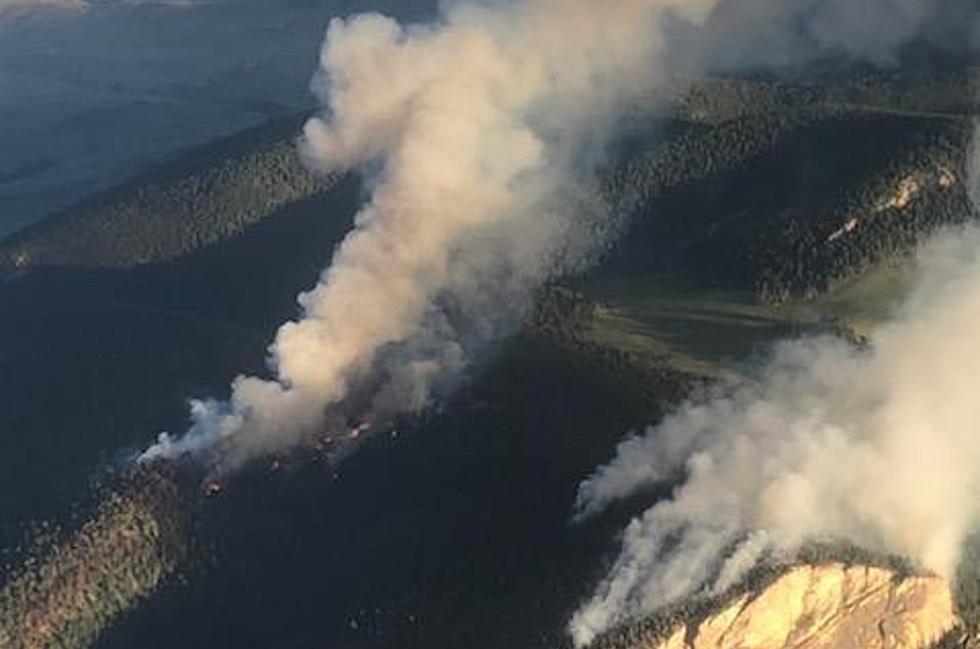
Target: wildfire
359	428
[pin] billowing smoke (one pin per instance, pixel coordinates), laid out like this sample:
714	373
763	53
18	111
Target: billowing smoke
748	34
479	135
875	446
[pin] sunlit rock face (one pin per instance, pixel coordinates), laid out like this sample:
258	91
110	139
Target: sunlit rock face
824	607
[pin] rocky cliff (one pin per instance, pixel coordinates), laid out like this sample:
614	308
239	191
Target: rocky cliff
831	606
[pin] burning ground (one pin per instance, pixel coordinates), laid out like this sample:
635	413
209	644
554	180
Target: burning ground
470	524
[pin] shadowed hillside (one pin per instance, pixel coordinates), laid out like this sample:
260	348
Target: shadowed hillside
785	188
790	209
451	528
208	194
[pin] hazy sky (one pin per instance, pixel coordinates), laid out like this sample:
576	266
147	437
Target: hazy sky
92	93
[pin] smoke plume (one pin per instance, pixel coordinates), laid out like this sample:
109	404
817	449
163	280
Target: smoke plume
479	135
827	442
762	34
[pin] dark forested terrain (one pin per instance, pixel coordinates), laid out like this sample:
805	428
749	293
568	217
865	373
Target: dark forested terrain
784	188
451	529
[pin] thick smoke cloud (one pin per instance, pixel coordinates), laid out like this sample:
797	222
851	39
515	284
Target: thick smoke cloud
873	446
479	134
772	34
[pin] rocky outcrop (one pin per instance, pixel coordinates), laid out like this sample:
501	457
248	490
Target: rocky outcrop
733	205
832	607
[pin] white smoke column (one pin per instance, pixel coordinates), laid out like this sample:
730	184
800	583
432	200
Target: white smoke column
878	447
478	131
